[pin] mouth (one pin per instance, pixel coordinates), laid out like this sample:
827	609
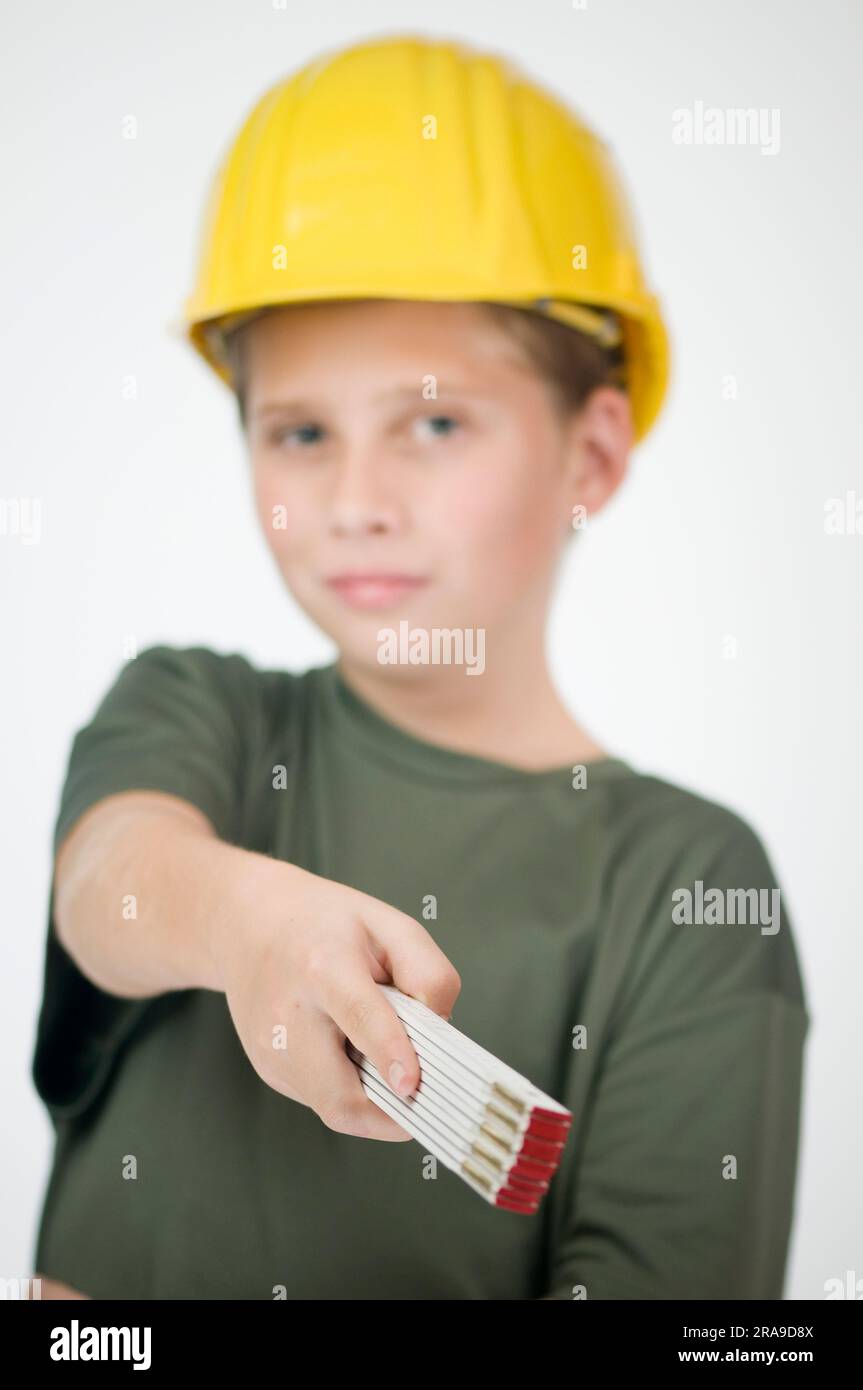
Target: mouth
377	590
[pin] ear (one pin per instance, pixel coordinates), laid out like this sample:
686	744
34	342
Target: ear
601	436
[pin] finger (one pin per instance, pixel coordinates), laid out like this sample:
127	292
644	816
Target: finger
359	1007
54	1288
338	1096
377	1123
416	963
316	1070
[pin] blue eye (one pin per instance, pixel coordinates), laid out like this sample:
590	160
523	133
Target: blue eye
280	435
446	420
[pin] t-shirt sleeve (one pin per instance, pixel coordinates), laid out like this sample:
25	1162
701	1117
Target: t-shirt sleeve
680	1182
175	721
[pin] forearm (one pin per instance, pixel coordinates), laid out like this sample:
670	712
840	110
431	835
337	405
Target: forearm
145	896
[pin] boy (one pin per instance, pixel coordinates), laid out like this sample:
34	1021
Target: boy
404	236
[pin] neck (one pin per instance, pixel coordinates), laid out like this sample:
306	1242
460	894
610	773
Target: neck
511	712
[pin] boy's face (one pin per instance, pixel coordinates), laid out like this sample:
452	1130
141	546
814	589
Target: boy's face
414	441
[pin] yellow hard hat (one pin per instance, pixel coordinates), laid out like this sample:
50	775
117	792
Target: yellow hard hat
417	168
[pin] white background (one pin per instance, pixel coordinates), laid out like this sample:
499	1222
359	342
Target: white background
147	526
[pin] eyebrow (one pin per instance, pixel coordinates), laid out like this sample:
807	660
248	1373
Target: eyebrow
405	392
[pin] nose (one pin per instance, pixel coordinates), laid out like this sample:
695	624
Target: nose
362	497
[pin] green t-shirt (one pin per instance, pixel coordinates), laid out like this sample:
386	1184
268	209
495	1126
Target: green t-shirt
678	1045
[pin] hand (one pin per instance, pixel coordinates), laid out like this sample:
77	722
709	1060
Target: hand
300	960
52	1288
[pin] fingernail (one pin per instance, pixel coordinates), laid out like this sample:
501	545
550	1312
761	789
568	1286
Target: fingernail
397	1078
